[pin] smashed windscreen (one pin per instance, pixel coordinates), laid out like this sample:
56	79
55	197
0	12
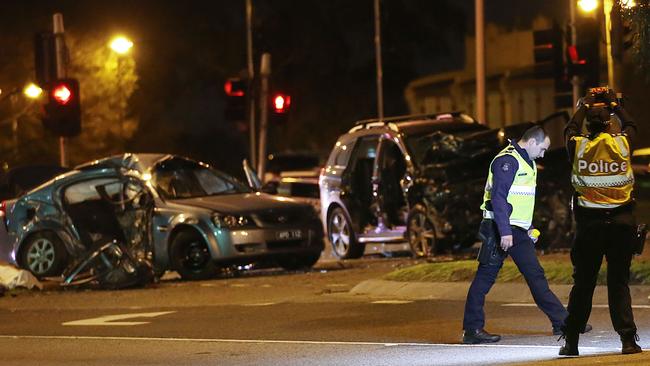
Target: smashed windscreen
179	178
448	143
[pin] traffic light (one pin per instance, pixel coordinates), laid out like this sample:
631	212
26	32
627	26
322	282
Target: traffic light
548	54
235	89
44	58
63	108
584	58
280	106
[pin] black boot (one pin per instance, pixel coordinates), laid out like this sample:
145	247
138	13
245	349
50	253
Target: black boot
476	336
629	344
570	347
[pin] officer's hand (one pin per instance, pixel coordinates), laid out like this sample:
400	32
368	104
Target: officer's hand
506	242
588	100
612	100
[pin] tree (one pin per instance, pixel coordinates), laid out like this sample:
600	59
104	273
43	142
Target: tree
639	18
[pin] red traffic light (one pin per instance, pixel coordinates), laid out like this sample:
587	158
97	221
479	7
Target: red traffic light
61	94
234	87
281	103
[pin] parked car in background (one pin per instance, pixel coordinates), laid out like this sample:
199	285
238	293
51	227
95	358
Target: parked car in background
291	164
641	162
301	188
421	179
202	218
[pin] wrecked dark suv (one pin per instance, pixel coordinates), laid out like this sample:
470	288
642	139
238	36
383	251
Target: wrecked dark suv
419	179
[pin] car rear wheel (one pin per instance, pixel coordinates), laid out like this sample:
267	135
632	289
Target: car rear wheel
342	236
44	255
190	256
421	233
297	262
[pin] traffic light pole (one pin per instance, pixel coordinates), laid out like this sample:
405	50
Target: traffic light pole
480	62
57	21
251	79
575	80
265	72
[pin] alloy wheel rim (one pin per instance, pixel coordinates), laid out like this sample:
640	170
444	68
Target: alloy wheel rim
421	236
40	256
195	255
340	234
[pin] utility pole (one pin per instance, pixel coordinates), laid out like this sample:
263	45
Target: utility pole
265	72
380	73
251	79
611	78
575	80
57	21
480	62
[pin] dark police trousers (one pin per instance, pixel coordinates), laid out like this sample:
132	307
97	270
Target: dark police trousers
595	238
524	255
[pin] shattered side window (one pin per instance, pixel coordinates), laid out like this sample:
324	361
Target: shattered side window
87	190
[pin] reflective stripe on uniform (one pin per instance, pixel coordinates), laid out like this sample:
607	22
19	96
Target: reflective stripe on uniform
602	180
622	146
519	223
582	145
586	203
522	190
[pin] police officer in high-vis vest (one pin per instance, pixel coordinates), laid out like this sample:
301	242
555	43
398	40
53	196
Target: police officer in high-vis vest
603	208
506	229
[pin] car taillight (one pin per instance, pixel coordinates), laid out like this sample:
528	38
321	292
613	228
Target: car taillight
3	208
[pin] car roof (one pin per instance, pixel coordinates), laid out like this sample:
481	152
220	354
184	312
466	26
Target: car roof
141	162
418	124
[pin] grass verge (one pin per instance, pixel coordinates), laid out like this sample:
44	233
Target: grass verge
557	272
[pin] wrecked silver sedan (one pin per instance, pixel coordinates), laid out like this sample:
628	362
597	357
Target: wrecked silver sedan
202	219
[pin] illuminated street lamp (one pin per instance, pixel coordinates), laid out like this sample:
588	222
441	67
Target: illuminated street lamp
587	6
121	45
628	4
32	91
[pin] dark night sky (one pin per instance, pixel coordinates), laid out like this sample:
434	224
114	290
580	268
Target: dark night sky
322	54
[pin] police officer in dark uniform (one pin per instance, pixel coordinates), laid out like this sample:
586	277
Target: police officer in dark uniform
505	230
603	207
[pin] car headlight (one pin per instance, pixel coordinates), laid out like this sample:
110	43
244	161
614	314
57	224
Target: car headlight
229	221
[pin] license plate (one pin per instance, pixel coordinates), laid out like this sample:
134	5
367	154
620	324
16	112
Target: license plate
288	234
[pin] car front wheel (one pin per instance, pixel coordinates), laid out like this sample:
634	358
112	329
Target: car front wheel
421	233
190	256
44	255
342	236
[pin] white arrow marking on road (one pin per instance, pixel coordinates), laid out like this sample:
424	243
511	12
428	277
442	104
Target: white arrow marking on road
110	319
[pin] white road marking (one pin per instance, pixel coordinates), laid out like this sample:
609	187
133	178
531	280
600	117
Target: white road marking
601	306
208	285
238	285
110	319
261	304
391	302
272	341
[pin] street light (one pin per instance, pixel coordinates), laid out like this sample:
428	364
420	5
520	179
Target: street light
121	45
628	4
32	91
587	5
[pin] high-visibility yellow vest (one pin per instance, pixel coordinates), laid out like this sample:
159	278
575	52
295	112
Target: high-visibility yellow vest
521	194
602	172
